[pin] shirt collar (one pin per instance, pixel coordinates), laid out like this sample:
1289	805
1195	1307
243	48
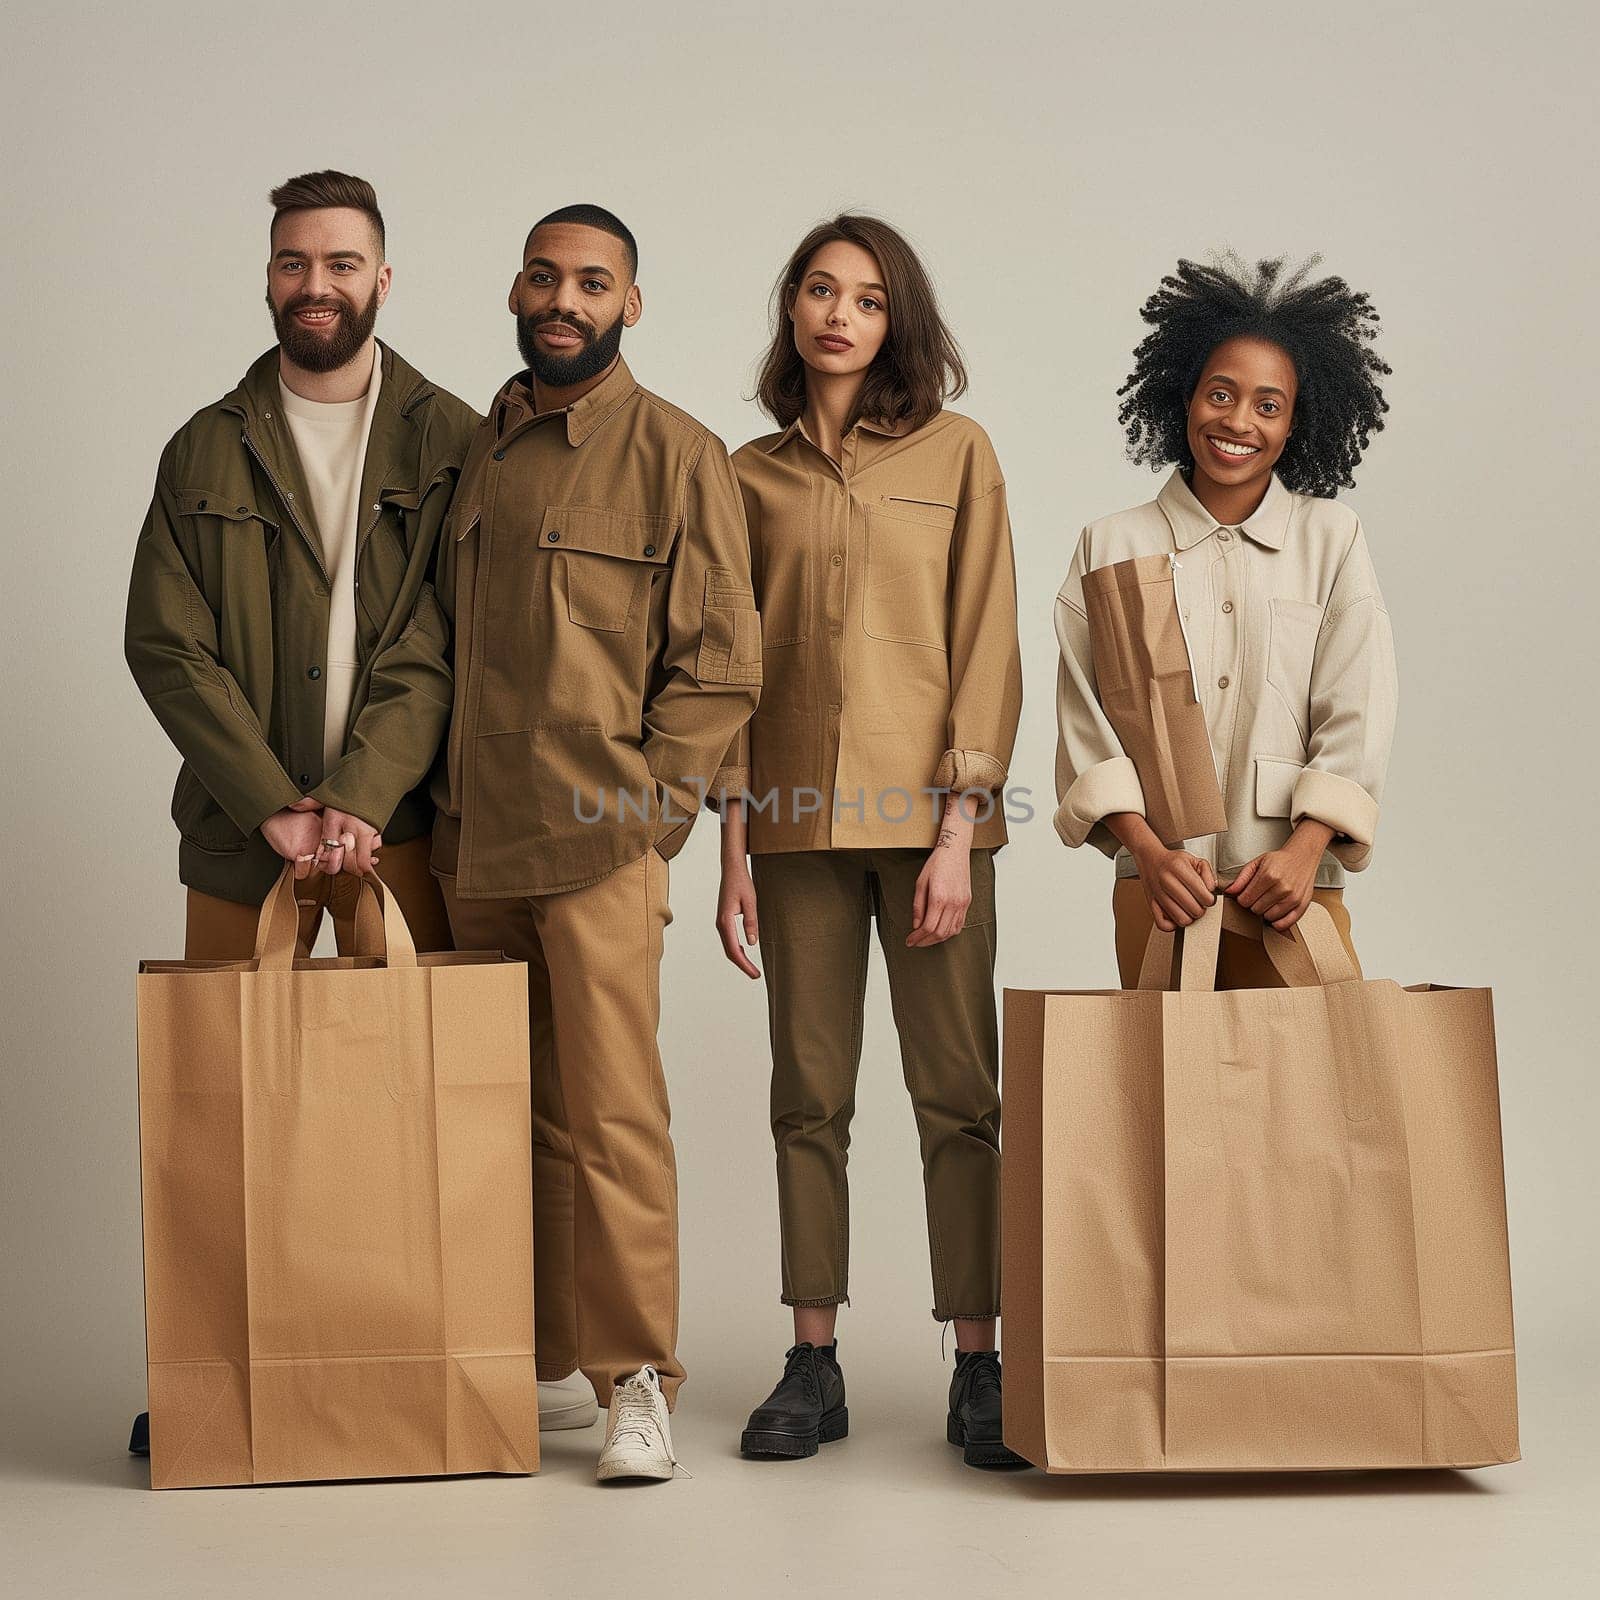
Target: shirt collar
514	404
888	430
1267	525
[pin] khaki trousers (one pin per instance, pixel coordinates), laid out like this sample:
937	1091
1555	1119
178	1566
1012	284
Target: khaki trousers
1242	962
817	908
225	930
605	1185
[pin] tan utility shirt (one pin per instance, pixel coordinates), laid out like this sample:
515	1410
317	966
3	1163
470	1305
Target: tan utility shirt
597	572
888	606
1293	660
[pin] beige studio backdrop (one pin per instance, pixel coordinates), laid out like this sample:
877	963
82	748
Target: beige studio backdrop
1052	162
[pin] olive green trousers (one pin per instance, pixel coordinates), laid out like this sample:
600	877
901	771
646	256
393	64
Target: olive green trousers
816	910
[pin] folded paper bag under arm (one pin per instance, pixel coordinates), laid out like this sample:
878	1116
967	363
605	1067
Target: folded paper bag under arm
335	1162
1144	679
1257	1229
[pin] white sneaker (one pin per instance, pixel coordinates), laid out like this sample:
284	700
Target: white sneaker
567	1403
638	1435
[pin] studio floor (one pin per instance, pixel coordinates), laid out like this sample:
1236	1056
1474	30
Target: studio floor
890	1511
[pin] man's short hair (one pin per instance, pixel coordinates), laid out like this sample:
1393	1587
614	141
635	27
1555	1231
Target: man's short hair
586	216
320	191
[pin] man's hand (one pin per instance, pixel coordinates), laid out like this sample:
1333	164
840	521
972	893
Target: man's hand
359	843
1178	885
1277	886
295	834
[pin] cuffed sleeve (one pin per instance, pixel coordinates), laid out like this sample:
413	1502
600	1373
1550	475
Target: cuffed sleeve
1353	702
732	778
1095	778
964	770
396	734
711	660
1104	790
172	648
985	657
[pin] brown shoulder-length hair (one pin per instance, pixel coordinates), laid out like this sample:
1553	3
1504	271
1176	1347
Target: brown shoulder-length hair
919	366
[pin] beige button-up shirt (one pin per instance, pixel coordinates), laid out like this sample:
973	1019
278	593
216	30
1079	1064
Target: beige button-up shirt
596	572
1293	660
888	604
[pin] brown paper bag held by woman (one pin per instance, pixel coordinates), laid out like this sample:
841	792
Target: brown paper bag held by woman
1145	680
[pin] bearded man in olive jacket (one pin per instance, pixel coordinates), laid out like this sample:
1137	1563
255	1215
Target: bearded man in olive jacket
281	618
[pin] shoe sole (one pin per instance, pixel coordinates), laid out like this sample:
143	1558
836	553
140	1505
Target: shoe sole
624	1472
981	1452
564	1417
796	1446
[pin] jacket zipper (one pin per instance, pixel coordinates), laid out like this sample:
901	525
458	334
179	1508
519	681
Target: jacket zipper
289	506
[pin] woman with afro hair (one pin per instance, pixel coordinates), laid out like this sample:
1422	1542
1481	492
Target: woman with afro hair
1260	390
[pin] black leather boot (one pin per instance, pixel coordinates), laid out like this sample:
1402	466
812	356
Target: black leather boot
807	1408
139	1438
974	1420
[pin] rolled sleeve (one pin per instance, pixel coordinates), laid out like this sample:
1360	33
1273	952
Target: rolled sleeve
985	656
1353	704
731	780
1102	791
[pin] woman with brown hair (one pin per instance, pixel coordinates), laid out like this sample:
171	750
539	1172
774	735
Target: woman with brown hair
868	788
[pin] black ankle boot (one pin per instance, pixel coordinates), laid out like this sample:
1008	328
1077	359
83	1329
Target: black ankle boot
805	1410
974	1420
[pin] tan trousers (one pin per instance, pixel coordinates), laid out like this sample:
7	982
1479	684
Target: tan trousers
817	908
225	930
1242	962
605	1185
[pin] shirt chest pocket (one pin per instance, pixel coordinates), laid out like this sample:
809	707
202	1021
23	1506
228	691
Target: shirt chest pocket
603	562
907	595
1291	654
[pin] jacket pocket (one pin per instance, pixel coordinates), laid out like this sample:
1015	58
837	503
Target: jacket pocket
201	821
908	572
1276	777
606	560
1291	654
730	632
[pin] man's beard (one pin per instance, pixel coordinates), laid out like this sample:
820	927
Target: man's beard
315	351
562	372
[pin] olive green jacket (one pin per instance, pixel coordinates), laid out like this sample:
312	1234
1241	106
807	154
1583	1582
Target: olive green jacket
227	622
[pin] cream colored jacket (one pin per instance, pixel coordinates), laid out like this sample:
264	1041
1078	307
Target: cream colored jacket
1293	660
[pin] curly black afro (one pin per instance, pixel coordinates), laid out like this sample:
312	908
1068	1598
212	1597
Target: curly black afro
1325	326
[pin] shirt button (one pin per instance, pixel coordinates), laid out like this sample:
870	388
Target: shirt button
649	549
499	455
837	561
1227	605
1224	681
553	535
266	416
1224	536
305	778
313	673
377	505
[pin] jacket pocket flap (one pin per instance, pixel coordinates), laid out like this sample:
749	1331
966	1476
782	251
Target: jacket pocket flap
408	499
213	503
1276	777
626	536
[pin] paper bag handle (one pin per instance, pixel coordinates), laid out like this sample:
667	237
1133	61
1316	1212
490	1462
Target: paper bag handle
1311	956
380	926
